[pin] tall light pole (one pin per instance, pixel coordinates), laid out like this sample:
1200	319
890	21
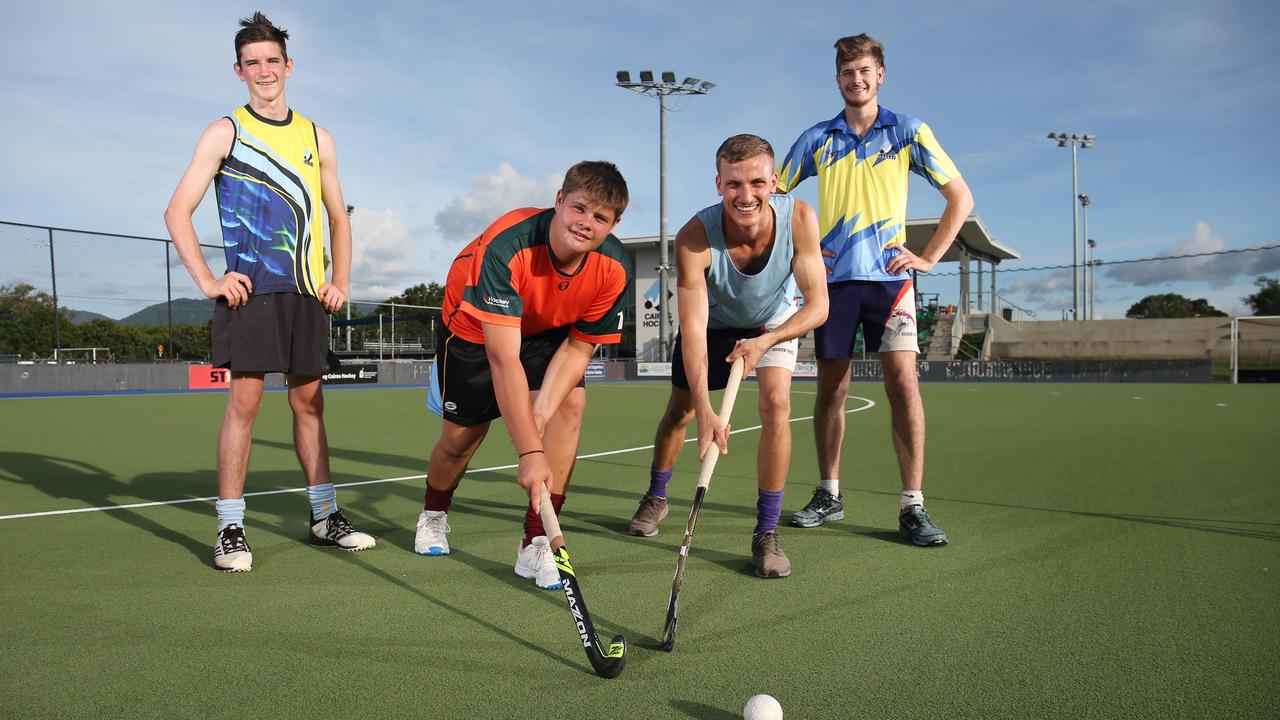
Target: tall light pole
1084	234
1093	274
668	86
1084	141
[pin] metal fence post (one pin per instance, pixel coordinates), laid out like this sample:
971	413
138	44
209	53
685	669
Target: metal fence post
53	278
168	293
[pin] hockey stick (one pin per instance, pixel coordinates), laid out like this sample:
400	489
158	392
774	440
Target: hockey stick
704	479
608	663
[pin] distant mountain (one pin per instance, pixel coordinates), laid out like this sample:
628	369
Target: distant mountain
186	311
80	317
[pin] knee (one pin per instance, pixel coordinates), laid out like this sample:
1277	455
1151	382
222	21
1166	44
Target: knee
573	407
243	409
677	418
775	405
306	403
901	388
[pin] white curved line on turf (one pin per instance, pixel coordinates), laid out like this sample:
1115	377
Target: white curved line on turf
494	468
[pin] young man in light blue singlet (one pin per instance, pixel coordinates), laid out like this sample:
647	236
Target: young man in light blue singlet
739	264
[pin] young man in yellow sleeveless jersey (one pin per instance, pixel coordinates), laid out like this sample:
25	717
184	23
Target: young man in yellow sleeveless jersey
272	169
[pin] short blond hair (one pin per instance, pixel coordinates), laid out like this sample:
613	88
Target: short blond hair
741	147
856	46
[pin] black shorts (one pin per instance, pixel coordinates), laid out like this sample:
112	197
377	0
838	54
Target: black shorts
274	332
461	385
719	344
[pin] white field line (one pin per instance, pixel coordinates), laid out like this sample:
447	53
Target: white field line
868	404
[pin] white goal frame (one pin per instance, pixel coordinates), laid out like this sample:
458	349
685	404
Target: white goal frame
1235	339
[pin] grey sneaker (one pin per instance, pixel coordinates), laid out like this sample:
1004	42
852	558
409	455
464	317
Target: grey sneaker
823	508
231	552
651	511
767	556
915	525
337	531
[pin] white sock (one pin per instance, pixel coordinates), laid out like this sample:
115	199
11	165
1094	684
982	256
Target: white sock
832	486
909	498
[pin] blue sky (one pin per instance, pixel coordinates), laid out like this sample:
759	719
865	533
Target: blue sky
447	114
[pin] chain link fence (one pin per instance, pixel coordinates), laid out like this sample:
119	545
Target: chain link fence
128	298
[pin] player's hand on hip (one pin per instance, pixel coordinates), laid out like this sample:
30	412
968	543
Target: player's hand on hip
829	254
235	287
906	260
533	474
332	297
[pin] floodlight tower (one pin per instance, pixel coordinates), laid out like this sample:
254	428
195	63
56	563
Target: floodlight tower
668	86
1084	141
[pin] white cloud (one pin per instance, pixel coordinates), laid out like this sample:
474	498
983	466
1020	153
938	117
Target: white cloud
381	246
489	197
1216	270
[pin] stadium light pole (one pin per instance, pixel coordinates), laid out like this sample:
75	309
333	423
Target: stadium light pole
1074	140
1084	233
660	90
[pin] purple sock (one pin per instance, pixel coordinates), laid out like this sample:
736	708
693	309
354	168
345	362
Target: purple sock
768	509
658	480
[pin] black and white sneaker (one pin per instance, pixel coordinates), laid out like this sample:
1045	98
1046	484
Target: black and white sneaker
231	552
337	531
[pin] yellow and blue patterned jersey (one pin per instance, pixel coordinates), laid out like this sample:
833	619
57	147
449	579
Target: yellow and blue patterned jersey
269	203
862	186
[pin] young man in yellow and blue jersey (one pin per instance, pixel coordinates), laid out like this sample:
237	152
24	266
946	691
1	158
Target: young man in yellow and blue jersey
272	169
862	158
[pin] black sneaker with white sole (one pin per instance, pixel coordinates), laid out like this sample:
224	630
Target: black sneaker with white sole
337	531
231	551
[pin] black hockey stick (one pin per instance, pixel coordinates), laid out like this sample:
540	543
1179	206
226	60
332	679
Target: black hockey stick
704	479
607	663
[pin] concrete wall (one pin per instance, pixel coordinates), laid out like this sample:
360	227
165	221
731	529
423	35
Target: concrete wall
1130	339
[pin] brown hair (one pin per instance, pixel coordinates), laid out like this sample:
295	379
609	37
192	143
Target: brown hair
259	29
601	181
856	46
741	147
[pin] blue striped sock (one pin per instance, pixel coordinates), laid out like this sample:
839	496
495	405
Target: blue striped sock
768	509
230	512
658	480
324	500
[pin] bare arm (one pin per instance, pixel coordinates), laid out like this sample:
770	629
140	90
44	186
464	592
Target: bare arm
563	372
810	272
511	388
693	257
959	205
334	293
211	150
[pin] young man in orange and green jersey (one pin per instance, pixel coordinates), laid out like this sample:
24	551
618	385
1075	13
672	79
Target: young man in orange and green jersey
862	158
526	303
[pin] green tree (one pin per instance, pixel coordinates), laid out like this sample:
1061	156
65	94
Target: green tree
1172	305
26	321
431	294
1267	300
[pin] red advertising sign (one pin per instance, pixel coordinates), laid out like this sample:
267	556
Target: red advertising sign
207	377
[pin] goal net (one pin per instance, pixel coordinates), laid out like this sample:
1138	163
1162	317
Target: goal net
1255	349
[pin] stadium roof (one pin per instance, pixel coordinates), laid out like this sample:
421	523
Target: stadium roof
973	238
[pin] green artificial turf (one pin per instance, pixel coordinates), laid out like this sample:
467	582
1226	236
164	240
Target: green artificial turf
1114	554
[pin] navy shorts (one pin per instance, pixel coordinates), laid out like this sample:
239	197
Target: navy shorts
885	310
719	344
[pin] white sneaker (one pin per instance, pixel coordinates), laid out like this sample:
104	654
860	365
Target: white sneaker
231	552
535	561
337	531
432	537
